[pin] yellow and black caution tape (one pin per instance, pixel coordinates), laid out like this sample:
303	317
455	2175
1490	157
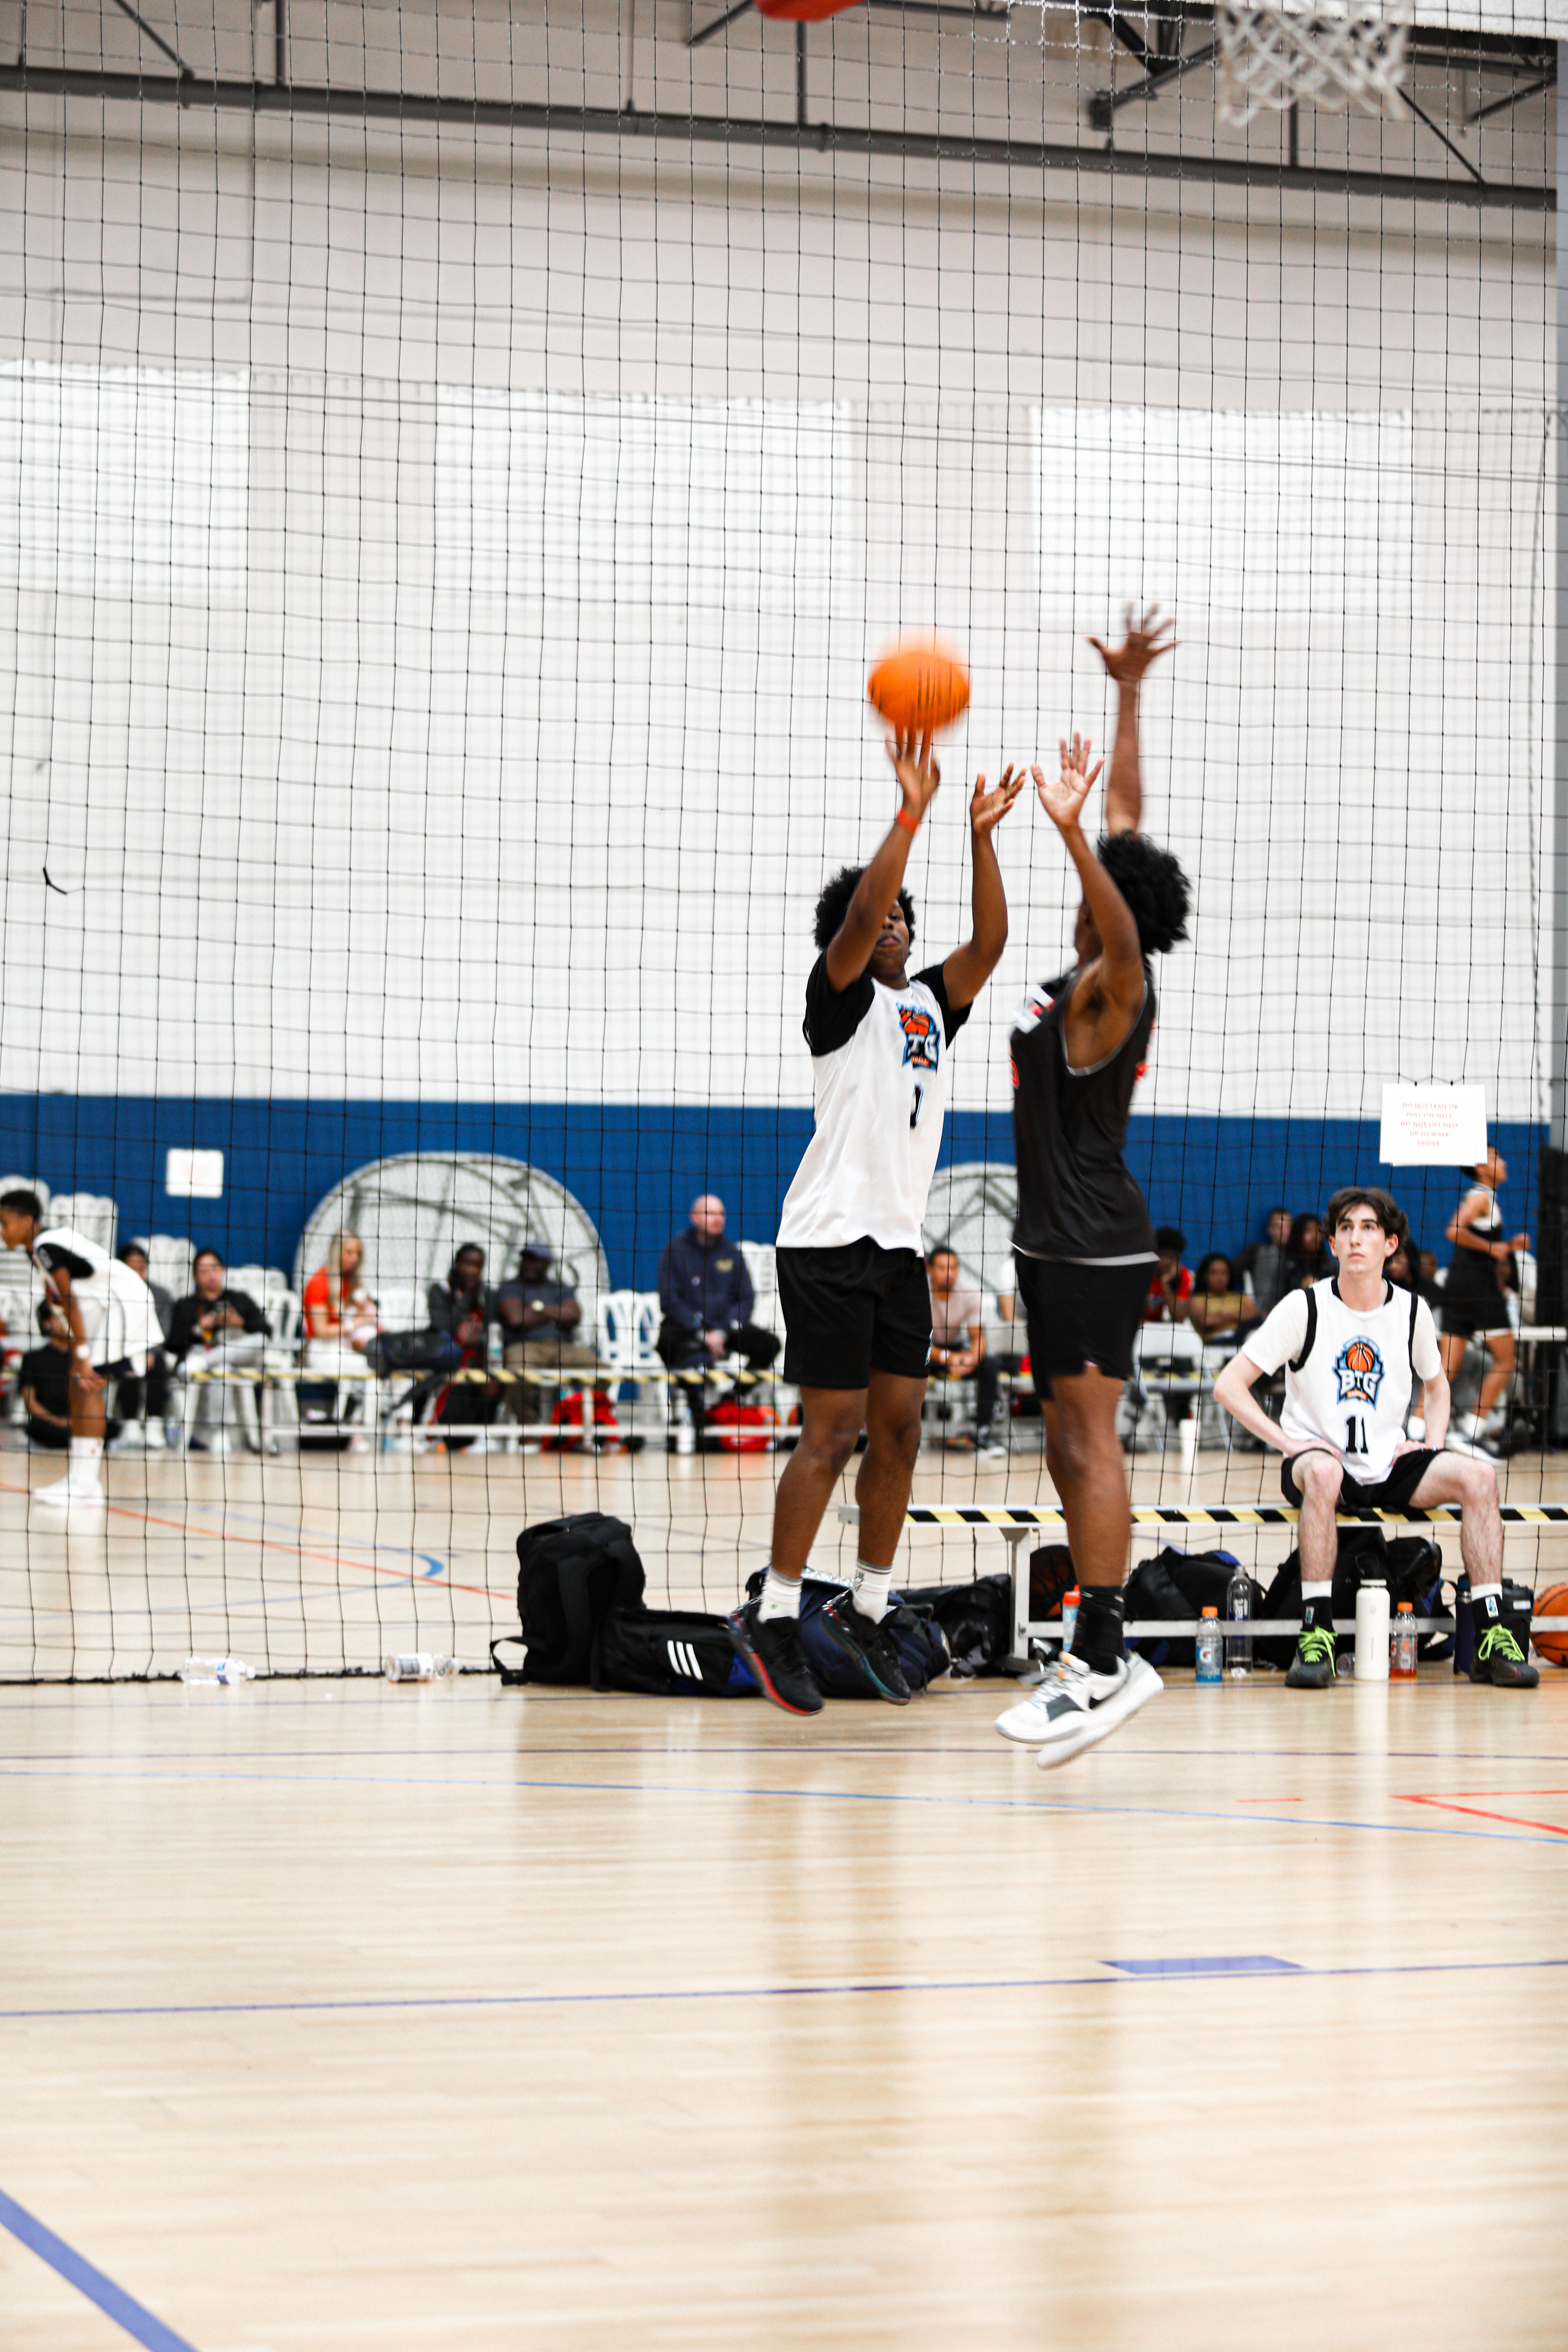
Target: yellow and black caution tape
1217	1515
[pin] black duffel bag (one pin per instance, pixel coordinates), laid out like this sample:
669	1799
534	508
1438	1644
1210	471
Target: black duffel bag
669	1654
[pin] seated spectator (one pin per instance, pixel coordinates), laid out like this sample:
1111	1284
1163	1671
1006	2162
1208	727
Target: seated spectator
461	1310
1218	1309
340	1321
1269	1264
45	1381
1431	1274
1310	1258
339	1309
141	1403
540	1314
706	1297
217	1331
1170	1284
958	1341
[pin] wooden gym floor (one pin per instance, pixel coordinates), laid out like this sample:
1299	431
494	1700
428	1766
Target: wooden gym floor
335	2014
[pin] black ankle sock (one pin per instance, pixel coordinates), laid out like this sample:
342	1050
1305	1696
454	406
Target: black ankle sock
1097	1637
1318	1613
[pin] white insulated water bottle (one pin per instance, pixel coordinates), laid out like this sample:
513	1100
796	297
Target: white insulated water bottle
1371	1633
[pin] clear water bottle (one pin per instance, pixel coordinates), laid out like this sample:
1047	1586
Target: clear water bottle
1208	1646
418	1666
1070	1617
1402	1658
216	1670
1238	1613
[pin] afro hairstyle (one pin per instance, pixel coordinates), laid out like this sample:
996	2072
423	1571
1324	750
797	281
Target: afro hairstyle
833	904
1157	892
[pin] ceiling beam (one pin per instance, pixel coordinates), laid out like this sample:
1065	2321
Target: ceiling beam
342	104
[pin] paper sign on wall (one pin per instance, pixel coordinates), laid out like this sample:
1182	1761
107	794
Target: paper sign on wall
1433	1126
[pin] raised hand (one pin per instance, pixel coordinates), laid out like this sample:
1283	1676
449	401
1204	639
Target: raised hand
1063	801
916	771
1141	647
986	810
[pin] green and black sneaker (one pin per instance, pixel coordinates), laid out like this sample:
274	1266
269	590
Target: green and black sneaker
1313	1667
1499	1660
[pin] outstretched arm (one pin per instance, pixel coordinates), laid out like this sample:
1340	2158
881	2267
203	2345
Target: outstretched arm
853	944
1127	664
968	968
1117	971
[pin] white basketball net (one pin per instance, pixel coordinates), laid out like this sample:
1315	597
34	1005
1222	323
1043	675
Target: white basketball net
1279	56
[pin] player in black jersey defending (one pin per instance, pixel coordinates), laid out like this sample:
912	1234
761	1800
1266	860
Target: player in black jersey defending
1084	1244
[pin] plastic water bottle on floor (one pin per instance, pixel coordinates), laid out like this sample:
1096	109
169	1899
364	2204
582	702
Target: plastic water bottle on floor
1208	1648
1069	1618
1402	1663
418	1666
216	1670
1238	1613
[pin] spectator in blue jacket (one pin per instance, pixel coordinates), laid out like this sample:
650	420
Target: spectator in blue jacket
706	1296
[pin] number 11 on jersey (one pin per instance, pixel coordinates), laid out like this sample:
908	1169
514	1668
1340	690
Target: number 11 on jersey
1355	1434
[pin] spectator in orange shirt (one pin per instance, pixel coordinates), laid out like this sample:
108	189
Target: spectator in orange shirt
340	1321
1170	1284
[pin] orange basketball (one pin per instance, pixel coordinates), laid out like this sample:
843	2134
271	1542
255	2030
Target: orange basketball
920	682
1552	1602
1361	1356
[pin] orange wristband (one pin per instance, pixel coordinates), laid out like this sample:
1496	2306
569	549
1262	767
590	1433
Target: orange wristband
912	824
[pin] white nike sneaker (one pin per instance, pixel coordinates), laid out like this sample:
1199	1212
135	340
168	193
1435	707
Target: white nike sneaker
70	1494
1074	1707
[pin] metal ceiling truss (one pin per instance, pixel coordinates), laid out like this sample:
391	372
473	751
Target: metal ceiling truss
1164	57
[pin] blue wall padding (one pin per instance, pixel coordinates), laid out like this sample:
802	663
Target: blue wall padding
637	1167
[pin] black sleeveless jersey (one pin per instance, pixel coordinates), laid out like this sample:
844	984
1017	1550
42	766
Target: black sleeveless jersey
1078	1198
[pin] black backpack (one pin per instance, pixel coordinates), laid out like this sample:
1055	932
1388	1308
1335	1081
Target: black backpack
570	1573
1180	1584
669	1652
1411	1566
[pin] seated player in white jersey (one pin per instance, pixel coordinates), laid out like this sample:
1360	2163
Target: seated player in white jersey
114	1322
851	1267
1352	1349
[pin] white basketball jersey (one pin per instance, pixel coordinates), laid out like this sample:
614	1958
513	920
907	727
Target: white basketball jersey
1353	1385
879	1071
119	1315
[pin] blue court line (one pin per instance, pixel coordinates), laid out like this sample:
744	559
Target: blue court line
77	2271
1153	1972
798	1796
1233	1964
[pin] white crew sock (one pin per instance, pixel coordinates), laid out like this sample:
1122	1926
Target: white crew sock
869	1590
1482	1592
1323	1592
1474	1425
781	1597
86	1453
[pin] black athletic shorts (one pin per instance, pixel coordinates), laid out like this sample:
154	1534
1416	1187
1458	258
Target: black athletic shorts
853	1310
1081	1318
1463	1318
1390	1494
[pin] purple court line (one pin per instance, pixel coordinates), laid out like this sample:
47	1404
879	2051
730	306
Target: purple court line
799	1796
1295	1971
136	2320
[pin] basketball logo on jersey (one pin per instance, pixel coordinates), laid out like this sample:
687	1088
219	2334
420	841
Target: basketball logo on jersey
1359	1369
922	1042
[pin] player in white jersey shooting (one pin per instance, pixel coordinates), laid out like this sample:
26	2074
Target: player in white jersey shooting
851	1263
1352	1349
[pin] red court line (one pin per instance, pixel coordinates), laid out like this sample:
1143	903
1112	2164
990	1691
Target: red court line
1483	1813
271	1543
